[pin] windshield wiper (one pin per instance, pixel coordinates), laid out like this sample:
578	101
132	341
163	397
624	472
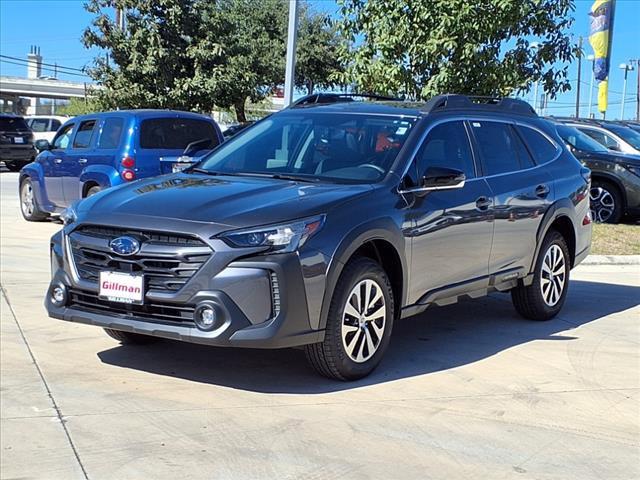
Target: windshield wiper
278	176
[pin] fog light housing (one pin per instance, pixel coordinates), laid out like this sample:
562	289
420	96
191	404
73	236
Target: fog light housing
59	295
206	317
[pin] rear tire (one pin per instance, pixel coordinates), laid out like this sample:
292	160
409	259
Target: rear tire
28	203
14	166
128	338
92	191
359	323
606	202
544	298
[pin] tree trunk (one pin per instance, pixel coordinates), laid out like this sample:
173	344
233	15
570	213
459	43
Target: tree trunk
309	87
238	106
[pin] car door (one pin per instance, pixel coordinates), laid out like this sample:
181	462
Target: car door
522	192
452	229
78	157
53	163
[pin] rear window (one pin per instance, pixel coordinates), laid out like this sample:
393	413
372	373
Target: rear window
543	150
13	124
176	133
111	133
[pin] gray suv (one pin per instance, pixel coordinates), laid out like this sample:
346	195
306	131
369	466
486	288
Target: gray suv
322	225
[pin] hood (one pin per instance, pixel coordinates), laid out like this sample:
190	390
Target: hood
608	157
225	200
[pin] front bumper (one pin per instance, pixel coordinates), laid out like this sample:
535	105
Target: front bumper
241	291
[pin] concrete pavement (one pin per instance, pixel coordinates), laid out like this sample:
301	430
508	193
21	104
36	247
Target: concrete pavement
466	391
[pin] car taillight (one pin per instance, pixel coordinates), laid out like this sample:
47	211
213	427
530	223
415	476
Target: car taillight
128	175
128	162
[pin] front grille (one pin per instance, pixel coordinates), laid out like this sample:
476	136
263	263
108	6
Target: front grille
153	312
167	261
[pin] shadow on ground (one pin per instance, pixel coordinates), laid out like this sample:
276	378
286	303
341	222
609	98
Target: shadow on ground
439	339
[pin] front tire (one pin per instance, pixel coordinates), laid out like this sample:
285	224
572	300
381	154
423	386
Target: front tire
28	203
128	338
544	298
359	323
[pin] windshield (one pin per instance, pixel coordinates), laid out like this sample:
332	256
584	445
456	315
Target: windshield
579	140
346	148
13	124
627	134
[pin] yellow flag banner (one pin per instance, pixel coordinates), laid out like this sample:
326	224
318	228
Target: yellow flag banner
603	95
601	26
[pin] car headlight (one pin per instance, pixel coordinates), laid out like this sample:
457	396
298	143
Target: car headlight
68	215
286	237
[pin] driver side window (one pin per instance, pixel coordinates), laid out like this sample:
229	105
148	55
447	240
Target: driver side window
446	145
62	139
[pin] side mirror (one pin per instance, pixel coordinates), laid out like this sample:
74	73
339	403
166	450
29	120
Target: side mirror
615	148
42	144
442	178
437	178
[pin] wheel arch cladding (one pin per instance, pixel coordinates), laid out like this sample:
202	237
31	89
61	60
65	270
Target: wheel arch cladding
378	240
612	180
563	225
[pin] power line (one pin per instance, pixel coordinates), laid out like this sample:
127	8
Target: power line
48	69
29	62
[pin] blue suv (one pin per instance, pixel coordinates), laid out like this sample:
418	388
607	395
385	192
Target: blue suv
92	152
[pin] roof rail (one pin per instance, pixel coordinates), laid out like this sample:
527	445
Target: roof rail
489	104
326	98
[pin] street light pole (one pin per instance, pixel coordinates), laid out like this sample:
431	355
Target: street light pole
626	67
592	59
579	78
289	73
535	46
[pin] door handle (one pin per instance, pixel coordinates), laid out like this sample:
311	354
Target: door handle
483	203
82	160
542	191
58	160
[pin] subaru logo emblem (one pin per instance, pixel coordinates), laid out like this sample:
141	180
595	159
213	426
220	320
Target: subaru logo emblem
124	245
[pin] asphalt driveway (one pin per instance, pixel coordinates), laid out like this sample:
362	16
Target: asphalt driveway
465	391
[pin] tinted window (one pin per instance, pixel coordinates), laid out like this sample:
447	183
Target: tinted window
579	140
84	135
62	138
340	147
497	147
111	133
600	137
446	145
176	133
55	124
627	134
39	124
541	148
524	156
13	124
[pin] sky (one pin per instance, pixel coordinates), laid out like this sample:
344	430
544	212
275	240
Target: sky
56	26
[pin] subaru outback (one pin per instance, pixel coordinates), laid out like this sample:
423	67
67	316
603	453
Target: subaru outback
324	224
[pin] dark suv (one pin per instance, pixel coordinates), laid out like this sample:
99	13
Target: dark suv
615	176
322	225
16	142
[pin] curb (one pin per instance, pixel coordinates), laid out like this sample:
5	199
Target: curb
611	260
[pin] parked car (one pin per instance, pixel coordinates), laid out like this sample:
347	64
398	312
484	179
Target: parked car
631	124
44	127
232	130
615	177
16	142
93	152
618	138
323	224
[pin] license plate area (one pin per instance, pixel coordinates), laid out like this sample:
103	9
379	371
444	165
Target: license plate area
122	287
18	140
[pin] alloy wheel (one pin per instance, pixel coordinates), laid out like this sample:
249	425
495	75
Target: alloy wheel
26	202
363	320
603	204
553	275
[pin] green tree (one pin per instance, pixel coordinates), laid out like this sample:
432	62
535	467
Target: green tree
79	106
252	38
164	58
421	48
317	55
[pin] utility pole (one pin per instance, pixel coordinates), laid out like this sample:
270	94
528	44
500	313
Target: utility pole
637	62
289	73
579	78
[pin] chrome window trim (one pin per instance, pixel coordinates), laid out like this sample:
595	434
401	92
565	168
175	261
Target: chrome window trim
482	118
